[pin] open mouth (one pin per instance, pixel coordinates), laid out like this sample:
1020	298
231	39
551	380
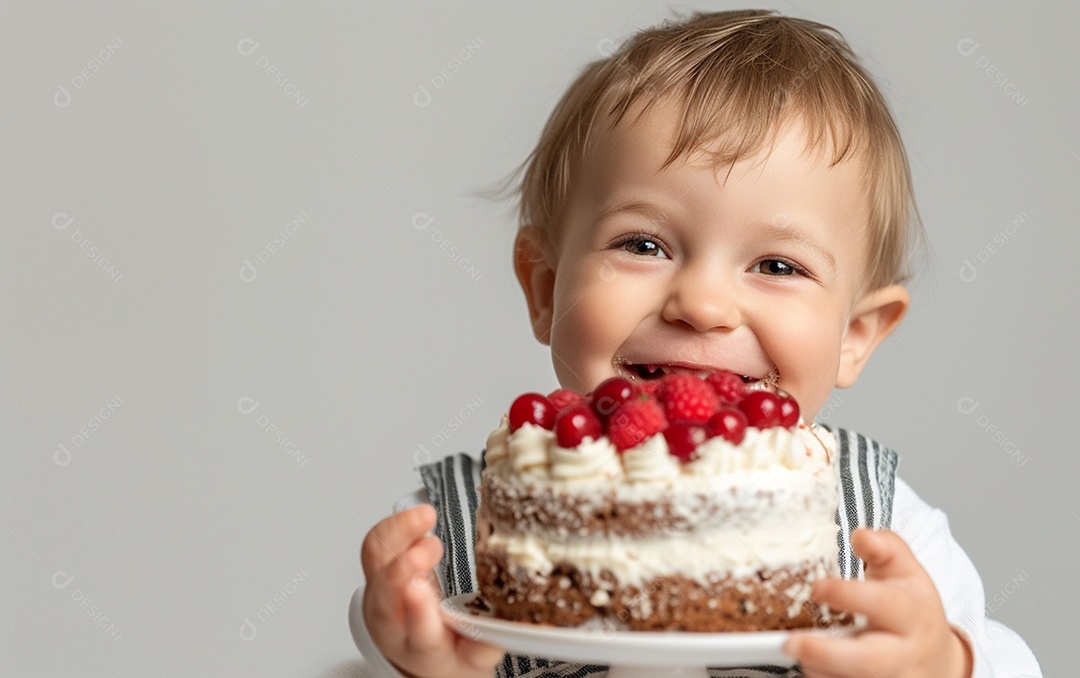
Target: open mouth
652	371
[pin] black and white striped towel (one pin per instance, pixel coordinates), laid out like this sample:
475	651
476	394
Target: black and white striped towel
867	480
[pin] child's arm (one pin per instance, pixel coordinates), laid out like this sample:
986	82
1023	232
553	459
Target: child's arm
401	602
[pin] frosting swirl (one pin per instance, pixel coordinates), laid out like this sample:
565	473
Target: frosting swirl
592	459
529	447
650	461
495	448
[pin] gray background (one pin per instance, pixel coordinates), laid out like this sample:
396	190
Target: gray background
362	338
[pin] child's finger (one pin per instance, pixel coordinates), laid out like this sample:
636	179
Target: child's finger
392	536
425	631
386	588
885	606
868	654
414	565
885	554
477	655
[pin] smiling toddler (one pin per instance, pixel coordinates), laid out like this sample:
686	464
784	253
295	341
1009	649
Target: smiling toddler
725	192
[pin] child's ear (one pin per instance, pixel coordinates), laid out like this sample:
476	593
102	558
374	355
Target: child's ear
535	268
872	319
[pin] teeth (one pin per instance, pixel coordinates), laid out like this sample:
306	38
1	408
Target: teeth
657	370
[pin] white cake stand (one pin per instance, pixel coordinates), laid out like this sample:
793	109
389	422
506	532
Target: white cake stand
630	654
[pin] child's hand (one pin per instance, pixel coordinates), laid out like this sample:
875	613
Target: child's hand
907	634
401	602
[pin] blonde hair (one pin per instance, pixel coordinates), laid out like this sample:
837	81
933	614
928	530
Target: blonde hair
737	77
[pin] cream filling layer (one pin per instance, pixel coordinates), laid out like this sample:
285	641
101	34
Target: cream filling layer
752	494
715	553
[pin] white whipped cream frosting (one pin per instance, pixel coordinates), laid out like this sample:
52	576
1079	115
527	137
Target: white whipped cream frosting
530	449
592	459
496	449
650	461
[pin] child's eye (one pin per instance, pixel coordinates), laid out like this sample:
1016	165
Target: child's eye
641	245
777	267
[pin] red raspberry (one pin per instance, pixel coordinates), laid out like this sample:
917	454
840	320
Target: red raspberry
762	408
611	393
789	411
687	399
683	439
576	423
532	408
649	387
634	422
729	423
562	398
729	387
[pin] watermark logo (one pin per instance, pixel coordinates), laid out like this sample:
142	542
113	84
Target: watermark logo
247	47
62	456
967	47
968	270
61	580
63	96
248	271
967	405
248	629
829	408
999	598
247	405
61	221
422	97
423	455
421	221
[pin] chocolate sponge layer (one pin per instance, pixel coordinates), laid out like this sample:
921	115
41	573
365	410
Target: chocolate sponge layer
769	600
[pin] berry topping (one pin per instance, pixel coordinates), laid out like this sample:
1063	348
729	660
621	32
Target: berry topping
729	423
728	386
611	393
634	422
762	408
562	398
789	411
683	439
576	423
649	388
532	408
687	399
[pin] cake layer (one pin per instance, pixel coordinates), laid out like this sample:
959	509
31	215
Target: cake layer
741	502
738	552
568	596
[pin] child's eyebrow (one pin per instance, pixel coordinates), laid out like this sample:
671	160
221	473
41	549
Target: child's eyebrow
645	209
790	232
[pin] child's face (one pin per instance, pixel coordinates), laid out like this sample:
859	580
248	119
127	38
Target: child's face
684	268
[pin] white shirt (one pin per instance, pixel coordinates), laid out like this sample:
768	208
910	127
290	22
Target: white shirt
998	651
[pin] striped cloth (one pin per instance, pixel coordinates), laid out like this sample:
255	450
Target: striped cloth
867	480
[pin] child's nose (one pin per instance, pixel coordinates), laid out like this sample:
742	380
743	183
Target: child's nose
703	299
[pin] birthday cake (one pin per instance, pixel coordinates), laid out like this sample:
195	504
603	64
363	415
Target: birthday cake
690	502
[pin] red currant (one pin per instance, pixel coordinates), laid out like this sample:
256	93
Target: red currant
610	394
532	408
762	409
683	439
576	423
728	423
789	411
